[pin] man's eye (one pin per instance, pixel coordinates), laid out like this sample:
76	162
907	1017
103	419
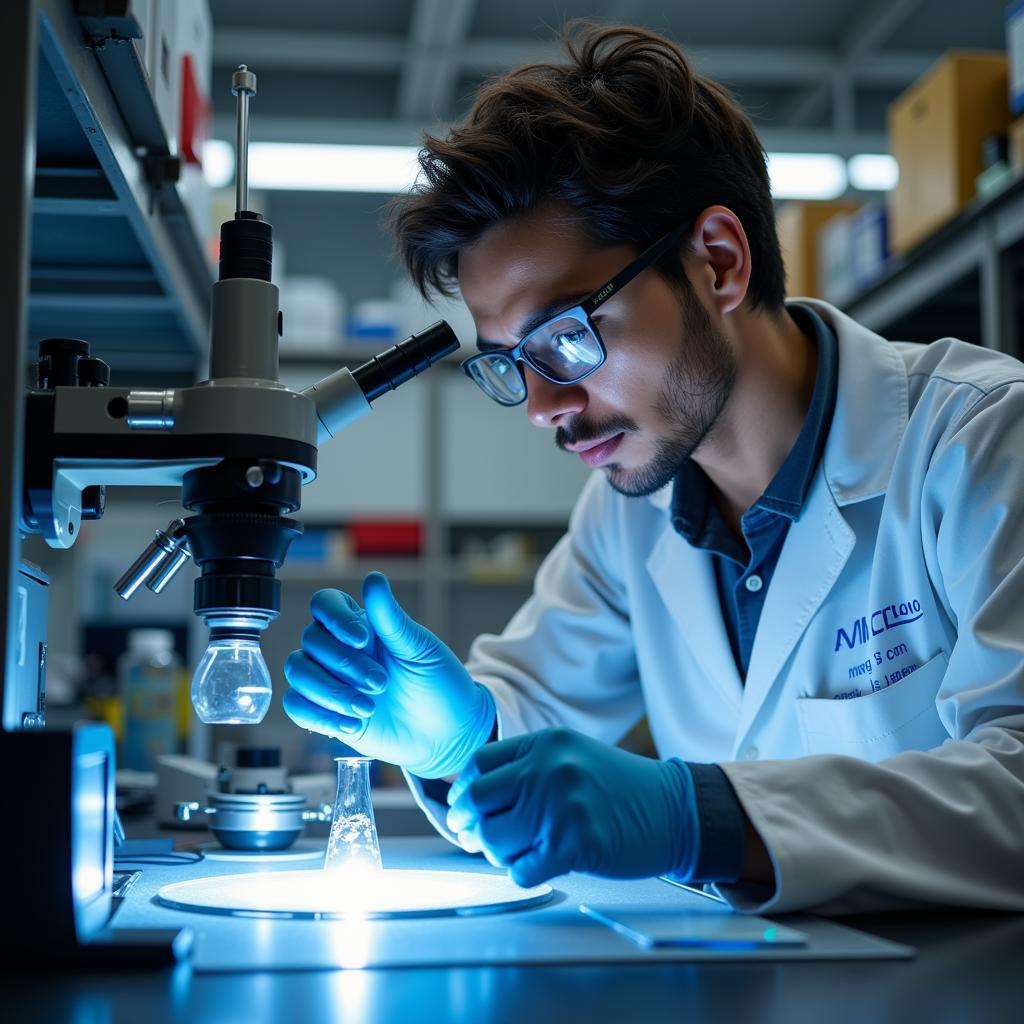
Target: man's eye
567	344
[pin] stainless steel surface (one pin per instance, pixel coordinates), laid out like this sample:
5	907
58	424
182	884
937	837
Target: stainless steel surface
151	409
243	85
162	550
159	580
155	555
254	821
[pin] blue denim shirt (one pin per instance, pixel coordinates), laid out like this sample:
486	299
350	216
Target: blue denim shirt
743	577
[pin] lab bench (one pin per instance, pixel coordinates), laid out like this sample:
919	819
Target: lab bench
547	963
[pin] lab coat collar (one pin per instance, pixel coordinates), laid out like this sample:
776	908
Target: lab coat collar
870	417
872	409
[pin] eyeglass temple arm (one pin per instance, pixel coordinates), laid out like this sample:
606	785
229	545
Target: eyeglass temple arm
624	276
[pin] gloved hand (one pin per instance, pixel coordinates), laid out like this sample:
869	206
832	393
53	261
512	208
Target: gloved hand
555	801
425	714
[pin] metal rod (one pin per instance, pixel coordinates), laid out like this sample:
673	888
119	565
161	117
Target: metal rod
160	551
243	85
166	572
155	555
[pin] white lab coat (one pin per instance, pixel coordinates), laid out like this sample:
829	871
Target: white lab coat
878	742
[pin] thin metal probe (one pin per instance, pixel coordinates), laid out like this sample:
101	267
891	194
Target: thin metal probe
243	85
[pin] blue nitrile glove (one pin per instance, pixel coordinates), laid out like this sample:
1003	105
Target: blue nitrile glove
555	801
385	685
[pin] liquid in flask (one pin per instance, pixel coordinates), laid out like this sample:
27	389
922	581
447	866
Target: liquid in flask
353	850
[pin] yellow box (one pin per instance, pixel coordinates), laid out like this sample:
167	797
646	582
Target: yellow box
798	224
936	129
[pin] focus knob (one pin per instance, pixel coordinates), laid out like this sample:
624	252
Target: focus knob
58	362
93	373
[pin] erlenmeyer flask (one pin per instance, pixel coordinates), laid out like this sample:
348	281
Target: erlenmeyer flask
353	849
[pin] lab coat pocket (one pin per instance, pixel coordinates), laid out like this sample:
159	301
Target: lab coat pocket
900	717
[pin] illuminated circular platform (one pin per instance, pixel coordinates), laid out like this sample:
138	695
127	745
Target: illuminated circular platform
318	894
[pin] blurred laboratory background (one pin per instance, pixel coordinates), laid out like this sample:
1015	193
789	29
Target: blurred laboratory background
890	201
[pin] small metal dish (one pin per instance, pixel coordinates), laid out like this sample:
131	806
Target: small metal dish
256	821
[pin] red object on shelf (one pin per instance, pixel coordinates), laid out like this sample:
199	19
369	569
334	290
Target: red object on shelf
195	114
386	536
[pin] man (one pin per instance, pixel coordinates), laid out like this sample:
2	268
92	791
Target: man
800	551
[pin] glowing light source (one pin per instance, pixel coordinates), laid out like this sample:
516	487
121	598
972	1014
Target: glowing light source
218	162
874	172
807	175
315	894
322	167
316	167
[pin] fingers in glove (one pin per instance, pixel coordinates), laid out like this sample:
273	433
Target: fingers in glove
489	757
349	663
324	688
341	616
503	836
319	719
538	865
492	793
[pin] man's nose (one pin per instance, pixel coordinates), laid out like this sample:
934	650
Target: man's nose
551	405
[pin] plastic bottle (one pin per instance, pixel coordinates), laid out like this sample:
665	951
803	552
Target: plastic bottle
149	672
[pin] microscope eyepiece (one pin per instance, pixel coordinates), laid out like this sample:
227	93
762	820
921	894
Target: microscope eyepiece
394	366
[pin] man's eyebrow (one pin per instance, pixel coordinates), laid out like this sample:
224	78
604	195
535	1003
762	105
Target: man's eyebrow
534	320
555	306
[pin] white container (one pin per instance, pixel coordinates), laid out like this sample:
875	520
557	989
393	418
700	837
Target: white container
149	673
314	315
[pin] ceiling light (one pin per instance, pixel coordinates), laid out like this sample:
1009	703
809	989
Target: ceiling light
316	167
873	172
323	168
806	175
218	162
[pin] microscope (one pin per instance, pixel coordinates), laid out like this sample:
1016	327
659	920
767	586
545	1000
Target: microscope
240	445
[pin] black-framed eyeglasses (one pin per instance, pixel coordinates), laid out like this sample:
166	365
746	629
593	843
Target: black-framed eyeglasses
564	349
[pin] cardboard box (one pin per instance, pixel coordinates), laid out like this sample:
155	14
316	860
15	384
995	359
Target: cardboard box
798	224
936	131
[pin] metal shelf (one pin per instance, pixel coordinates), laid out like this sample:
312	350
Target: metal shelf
963	277
115	258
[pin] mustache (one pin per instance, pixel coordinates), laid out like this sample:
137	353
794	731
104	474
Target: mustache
579	431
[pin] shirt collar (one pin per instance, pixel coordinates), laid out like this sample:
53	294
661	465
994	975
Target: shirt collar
691	495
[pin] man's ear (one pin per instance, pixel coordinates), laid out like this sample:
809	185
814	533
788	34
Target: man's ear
722	254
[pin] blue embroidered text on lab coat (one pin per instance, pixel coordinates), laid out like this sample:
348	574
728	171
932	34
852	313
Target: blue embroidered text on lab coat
882	619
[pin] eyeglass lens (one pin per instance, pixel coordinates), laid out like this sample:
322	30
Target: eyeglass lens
564	351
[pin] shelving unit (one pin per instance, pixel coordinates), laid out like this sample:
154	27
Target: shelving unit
95	247
115	258
963	281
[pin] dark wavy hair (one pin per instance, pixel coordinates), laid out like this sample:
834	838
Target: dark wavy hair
626	133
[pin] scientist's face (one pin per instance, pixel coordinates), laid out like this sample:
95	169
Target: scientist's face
668	371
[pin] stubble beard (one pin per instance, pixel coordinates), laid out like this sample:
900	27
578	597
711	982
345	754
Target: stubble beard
698	383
